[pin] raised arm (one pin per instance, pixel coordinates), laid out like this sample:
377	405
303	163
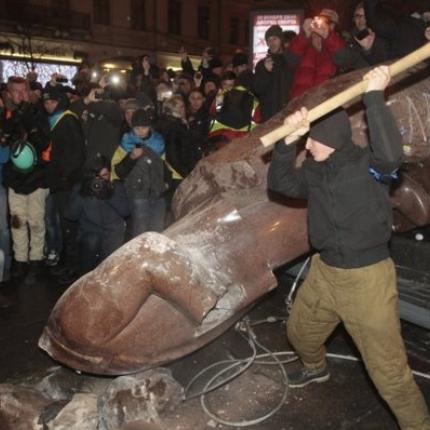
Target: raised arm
385	138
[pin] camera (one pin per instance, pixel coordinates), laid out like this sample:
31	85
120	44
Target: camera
98	94
61	80
320	21
98	187
362	34
96	184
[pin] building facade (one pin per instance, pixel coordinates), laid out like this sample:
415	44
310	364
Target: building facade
94	30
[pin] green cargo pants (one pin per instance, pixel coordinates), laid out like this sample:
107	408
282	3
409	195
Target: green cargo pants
366	301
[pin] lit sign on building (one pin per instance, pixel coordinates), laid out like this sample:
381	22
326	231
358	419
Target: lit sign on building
44	70
262	20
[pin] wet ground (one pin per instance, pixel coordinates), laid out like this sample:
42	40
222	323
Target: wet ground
347	401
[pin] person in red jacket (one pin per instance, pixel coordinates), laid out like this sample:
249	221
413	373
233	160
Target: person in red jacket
317	52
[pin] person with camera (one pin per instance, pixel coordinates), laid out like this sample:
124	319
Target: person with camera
138	163
101	120
26	132
211	67
361	38
273	75
318	52
100	207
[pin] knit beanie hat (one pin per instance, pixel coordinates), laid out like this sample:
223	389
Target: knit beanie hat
330	14
141	118
333	130
274	30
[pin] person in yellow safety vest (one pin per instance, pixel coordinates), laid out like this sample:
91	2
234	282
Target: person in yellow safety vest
235	112
65	161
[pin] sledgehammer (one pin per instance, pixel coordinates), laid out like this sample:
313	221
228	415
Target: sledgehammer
347	95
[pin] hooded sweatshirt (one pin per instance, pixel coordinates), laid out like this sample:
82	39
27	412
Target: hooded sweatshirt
67	154
349	211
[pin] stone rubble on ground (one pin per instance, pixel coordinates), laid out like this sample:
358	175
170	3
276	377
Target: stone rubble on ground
62	401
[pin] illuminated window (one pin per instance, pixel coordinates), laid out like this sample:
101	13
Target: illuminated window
137	14
101	12
44	70
203	24
175	16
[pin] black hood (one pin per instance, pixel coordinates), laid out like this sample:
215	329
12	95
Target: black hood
333	130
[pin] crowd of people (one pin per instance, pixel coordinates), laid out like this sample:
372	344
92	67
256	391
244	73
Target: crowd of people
88	166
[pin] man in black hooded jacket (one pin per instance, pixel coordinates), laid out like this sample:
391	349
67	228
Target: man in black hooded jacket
352	277
65	160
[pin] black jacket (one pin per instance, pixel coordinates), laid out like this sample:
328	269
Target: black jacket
68	153
101	123
349	211
378	53
403	34
99	215
272	88
183	145
199	123
104	217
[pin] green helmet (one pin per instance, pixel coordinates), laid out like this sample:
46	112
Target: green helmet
23	156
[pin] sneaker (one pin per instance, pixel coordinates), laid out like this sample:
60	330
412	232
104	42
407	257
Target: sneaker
302	377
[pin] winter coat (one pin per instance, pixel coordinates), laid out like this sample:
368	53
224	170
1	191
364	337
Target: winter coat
237	113
104	217
312	66
199	124
30	120
402	35
67	155
182	145
349	211
144	177
378	53
272	88
101	122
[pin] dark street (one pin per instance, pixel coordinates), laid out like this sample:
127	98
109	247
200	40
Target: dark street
347	401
